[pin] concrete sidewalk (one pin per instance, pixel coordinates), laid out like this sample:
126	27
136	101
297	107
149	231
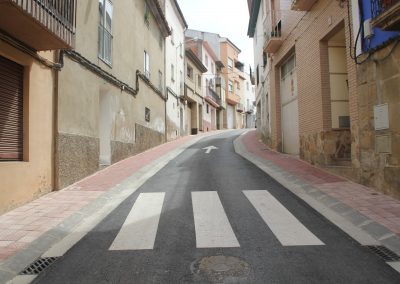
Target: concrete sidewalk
32	229
370	217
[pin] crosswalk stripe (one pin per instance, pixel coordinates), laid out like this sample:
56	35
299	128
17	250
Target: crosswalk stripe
211	223
140	227
287	229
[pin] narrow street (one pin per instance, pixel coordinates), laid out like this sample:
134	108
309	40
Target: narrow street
211	216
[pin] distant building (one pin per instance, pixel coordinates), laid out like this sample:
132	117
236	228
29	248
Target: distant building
194	91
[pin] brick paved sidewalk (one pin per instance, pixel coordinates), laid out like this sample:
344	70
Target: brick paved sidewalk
23	225
374	205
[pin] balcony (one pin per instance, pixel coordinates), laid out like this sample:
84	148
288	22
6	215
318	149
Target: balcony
232	99
213	98
40	24
302	5
273	32
386	14
239	107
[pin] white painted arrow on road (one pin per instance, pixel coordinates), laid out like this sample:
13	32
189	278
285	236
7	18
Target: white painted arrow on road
209	148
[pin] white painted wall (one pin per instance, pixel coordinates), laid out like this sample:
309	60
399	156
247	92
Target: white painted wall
174	54
262	89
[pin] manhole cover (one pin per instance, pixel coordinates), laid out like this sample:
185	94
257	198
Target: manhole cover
221	268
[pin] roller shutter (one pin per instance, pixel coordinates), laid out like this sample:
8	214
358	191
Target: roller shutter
11	110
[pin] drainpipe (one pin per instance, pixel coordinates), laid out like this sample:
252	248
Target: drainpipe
60	63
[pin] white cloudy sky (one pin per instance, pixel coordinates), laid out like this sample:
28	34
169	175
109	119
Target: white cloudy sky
228	18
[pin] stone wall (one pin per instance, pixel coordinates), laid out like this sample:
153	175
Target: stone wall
379	83
326	147
77	157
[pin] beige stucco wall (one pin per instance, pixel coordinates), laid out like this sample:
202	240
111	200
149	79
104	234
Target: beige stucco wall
80	91
36	169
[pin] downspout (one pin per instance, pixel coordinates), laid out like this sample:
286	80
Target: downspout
60	63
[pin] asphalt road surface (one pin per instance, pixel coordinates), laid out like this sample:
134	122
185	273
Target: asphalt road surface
216	218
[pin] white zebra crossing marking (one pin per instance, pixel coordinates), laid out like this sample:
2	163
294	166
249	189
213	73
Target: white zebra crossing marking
211	223
140	227
287	229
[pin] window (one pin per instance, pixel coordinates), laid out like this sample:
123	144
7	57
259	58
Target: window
146	14
265	59
238	85
11	110
258	76
230	86
206	60
181	50
212	68
206	82
199	80
247	86
105	31
189	72
147	114
207	108
146	65
172	73
160	81
230	63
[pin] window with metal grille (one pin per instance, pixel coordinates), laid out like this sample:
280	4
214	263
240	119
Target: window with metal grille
105	31
11	110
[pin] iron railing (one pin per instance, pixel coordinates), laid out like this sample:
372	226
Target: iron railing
212	94
272	25
58	16
380	6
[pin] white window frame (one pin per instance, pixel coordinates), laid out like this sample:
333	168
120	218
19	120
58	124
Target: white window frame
230	63
105	31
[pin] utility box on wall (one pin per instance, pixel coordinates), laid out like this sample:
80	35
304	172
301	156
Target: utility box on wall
381	117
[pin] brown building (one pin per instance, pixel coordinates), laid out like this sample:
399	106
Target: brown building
28	72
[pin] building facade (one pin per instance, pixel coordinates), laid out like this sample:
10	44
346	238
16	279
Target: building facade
229	57
377	24
193	95
174	71
111	102
29	68
324	89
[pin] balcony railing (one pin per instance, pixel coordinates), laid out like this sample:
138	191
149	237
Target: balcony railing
41	24
273	32
213	95
386	14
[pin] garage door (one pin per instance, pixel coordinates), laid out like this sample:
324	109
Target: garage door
290	109
230	111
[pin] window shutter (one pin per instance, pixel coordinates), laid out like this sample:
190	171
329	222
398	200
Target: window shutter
11	110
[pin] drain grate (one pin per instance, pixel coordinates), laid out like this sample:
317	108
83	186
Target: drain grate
384	253
38	265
